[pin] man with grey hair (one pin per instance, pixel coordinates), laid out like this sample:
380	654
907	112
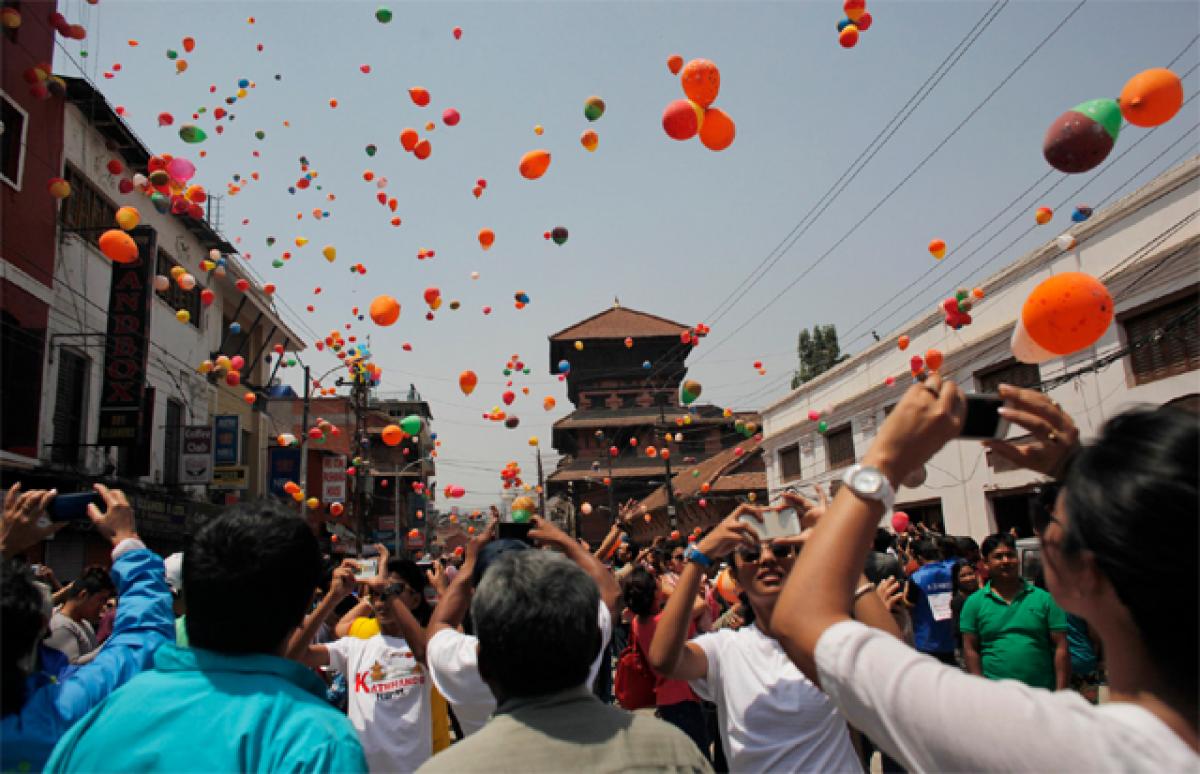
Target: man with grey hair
535	616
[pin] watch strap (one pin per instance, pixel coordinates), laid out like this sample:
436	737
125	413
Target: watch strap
694	554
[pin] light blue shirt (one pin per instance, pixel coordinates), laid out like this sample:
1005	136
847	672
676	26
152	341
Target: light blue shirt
199	710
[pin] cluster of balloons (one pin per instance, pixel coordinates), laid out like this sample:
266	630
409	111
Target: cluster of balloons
322	430
43	83
454	492
957	308
415	144
523	509
167	183
520	299
510	475
1081	138
683	119
480	187
297	494
558	234
1064	314
857	20
229	368
933	361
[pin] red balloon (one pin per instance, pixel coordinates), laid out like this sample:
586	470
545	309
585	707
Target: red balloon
681	119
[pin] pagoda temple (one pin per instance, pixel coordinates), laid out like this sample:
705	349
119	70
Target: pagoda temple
623	371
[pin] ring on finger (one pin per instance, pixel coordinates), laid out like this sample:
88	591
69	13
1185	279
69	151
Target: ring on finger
931	390
1052	437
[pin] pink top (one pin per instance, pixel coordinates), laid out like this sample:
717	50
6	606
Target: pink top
666	692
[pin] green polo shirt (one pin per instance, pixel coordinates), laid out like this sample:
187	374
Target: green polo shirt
1014	638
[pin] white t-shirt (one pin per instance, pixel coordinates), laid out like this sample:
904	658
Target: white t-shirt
934	717
388	700
453	660
73	638
772	717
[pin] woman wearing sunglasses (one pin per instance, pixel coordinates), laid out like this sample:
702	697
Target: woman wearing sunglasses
771	717
1118	550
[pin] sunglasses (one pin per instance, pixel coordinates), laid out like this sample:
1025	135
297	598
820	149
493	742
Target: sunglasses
778	550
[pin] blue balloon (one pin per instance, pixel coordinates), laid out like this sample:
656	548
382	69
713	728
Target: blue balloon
243	83
646	365
843	24
563	366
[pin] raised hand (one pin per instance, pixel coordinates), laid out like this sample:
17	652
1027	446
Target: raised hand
1055	436
116	523
25	521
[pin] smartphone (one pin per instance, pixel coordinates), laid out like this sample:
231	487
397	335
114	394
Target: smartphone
365	568
983	419
776	523
73	507
514	531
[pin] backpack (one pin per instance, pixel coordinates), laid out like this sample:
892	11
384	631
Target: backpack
635	680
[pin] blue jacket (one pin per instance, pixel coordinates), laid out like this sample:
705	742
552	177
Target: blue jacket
143	623
933	621
199	710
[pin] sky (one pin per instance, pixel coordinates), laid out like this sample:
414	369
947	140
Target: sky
667	227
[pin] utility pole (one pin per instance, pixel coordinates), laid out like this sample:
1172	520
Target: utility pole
304	434
672	519
541	485
362	444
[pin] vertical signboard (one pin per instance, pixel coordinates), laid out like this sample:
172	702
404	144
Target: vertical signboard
127	344
333	478
283	465
196	455
225	445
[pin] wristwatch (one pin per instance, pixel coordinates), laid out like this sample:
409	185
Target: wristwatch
869	483
693	554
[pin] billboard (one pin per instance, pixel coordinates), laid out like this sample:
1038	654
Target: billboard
127	344
196	455
225	451
333	478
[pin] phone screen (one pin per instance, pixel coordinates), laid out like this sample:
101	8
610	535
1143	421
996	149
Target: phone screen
983	419
365	568
776	523
514	531
73	507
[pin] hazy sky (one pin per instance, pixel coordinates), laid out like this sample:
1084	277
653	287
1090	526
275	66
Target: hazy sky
669	227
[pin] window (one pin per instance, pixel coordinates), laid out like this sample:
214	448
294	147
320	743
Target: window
789	462
244	449
69	407
839	447
171	442
21	348
176	297
1008	372
1013	511
1165	340
86	207
927	513
13	125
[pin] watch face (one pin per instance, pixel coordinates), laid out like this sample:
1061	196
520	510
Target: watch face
868	482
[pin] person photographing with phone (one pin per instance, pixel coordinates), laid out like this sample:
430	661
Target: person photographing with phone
770	715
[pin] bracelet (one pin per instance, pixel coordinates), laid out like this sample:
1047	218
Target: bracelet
863	589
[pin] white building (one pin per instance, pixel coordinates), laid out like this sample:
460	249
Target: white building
180	396
1146	250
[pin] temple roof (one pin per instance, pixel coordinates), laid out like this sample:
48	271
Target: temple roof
619	322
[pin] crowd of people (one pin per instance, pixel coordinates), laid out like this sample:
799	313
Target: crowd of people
252	650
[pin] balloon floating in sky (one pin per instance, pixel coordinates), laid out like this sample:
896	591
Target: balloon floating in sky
450	117
902	343
1043	215
118	246
1065	241
1081	138
487	238
589	140
1064	314
685	118
534	164
689	391
385	310
701	81
559	235
192	134
937	248
383	15
1152	97
467	381
717	131
419	96
593	108
1082	212
681	119
848	36
457	32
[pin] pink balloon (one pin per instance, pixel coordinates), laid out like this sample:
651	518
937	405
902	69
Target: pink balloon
181	170
900	521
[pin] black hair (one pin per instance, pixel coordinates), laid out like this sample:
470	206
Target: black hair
249	577
92	580
954	574
883	541
21	607
1131	500
535	617
967	546
927	549
411	574
640	590
996	540
948	546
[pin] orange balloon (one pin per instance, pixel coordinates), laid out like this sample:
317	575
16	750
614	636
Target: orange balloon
717	131
467	381
392	435
534	164
385	310
934	359
1152	97
1067	312
409	139
701	81
486	238
902	343
419	95
423	150
118	246
674	63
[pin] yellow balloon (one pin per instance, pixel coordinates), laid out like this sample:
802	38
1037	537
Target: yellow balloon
533	440
330	253
128	218
183	316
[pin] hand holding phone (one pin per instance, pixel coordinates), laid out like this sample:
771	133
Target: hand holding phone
365	568
983	418
73	507
776	522
514	531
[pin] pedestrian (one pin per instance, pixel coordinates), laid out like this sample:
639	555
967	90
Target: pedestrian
929	594
535	616
771	716
73	627
1012	629
38	707
966	583
1119	551
230	701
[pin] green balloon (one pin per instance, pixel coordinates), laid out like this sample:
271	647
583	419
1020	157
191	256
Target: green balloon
371	150
822	426
521	517
411	424
260	134
1105	112
383	15
277	263
172	53
83	54
192	134
593	108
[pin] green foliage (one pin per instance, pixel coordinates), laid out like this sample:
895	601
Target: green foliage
818	352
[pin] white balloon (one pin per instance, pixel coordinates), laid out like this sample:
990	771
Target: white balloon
161	283
187	281
1066	241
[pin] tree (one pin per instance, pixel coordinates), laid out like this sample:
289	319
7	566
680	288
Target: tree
818	352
